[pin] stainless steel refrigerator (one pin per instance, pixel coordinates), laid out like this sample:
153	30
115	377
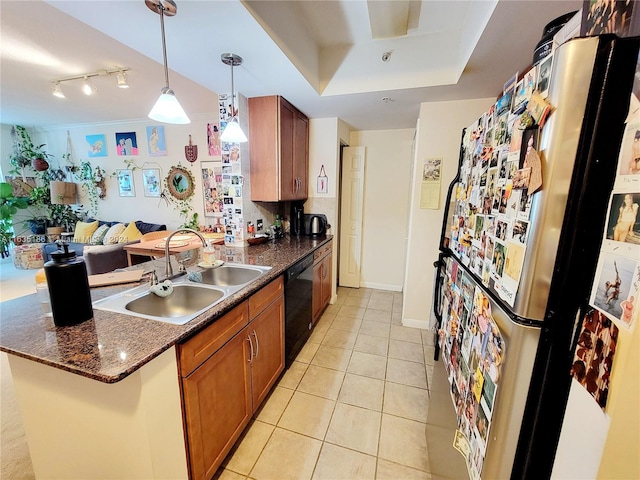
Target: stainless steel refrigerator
516	266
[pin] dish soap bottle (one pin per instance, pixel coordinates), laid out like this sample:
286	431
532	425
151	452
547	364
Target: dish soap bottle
209	254
68	288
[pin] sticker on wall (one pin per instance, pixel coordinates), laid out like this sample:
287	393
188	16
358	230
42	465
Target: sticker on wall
431	179
213	139
323	181
156	141
191	151
126	143
97	145
125	183
151	182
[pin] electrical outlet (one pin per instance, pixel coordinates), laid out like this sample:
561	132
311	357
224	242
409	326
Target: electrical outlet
259	225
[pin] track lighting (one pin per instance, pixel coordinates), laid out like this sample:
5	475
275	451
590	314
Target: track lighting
232	132
57	90
122	80
167	109
87	86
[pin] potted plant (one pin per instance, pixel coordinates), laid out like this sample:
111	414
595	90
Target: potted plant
26	153
9	205
39	202
65	217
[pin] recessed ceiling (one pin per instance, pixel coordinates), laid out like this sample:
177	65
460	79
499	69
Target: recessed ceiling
323	56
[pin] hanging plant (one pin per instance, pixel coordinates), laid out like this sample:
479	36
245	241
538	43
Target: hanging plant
26	153
93	183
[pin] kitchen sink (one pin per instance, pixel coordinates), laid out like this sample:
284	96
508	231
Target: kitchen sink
184	300
228	275
192	294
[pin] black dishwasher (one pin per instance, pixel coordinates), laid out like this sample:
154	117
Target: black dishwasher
298	294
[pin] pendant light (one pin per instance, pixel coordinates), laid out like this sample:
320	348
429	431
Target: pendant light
167	109
232	132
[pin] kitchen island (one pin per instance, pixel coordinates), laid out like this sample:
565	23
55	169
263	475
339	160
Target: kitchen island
104	398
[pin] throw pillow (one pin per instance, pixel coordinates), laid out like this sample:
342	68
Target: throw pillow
84	231
130	233
98	236
113	234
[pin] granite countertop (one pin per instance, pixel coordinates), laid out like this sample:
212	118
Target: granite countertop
111	346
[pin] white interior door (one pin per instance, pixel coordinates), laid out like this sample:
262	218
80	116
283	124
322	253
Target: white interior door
352	180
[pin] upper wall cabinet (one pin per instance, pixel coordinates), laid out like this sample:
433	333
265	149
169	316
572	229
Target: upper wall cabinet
279	136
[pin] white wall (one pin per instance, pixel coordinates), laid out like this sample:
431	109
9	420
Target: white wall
384	229
439	135
324	150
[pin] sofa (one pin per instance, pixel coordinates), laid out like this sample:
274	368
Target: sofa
98	256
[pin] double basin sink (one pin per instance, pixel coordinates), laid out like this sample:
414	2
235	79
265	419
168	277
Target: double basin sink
192	294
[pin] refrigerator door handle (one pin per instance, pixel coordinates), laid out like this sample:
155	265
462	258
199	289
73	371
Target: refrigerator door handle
437	304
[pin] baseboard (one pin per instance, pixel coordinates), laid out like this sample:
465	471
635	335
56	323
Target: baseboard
382	286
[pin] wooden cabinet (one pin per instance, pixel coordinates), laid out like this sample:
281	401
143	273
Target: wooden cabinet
217	405
227	371
322	261
279	145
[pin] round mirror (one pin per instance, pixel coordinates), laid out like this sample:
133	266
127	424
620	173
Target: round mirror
180	183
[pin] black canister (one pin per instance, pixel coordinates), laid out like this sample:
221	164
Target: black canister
545	45
68	288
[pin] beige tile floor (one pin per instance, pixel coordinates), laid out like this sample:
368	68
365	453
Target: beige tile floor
352	406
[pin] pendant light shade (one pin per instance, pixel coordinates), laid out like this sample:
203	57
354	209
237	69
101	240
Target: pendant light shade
232	132
167	109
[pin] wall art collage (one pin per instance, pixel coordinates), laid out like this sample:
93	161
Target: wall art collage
223	181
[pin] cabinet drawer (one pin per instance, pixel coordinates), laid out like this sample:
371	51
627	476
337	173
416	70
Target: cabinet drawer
263	298
197	349
322	252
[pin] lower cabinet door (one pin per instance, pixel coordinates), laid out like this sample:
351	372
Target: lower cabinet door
267	334
326	281
217	402
316	302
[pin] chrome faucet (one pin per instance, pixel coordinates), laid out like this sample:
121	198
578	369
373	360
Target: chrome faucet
168	271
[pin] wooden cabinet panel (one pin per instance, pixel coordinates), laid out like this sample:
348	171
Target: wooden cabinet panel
201	346
267	333
217	405
326	280
279	136
316	298
228	369
301	156
287	153
262	298
322	267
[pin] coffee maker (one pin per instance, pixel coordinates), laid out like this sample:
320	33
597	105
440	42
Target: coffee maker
297	219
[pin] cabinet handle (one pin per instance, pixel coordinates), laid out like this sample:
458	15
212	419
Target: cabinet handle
251	347
257	344
324	272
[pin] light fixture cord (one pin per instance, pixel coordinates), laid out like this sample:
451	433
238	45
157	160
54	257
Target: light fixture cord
164	45
233	95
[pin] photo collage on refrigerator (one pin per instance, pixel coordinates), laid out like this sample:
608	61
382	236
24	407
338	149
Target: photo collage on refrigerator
614	303
473	352
500	173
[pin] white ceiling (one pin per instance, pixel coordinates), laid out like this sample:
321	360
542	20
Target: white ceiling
320	55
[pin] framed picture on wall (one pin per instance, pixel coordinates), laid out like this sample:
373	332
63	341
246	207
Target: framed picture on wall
151	182
125	183
96	145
